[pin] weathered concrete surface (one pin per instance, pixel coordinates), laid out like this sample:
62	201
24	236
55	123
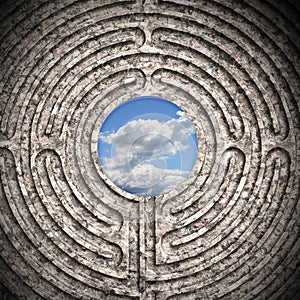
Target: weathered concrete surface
231	232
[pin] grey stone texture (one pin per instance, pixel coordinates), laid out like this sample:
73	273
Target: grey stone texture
231	231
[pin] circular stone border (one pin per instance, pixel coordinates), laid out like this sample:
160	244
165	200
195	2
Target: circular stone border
210	142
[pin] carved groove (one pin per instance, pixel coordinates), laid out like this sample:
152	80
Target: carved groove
231	231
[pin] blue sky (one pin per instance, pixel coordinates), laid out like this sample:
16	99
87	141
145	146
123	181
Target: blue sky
147	145
137	107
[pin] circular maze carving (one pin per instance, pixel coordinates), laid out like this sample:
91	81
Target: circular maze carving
232	231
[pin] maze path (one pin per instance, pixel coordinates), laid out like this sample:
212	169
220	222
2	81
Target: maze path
232	231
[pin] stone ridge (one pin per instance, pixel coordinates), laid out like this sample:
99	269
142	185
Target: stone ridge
232	231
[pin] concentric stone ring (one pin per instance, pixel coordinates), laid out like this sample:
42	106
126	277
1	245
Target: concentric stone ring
231	230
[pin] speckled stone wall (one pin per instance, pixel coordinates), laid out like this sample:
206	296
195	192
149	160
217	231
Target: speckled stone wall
231	231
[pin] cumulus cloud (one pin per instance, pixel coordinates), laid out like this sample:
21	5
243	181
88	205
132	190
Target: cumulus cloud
181	113
141	150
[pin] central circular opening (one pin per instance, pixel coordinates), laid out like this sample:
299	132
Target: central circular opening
147	146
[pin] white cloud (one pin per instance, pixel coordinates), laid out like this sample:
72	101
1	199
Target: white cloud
181	113
141	149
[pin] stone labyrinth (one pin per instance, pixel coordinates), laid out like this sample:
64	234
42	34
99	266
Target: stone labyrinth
231	231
